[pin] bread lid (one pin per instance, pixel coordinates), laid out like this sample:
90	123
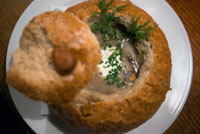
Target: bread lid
57	57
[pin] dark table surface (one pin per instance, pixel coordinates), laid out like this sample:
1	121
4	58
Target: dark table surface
188	122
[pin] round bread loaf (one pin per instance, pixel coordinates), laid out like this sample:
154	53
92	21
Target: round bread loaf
122	110
57	57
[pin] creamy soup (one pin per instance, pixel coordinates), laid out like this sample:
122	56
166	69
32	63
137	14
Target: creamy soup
131	63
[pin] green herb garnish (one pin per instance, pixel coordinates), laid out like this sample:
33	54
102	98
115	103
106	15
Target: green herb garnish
107	23
139	31
151	46
101	62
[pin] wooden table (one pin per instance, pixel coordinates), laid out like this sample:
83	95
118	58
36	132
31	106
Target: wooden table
188	122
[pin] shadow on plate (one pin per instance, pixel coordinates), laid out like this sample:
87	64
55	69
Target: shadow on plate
62	126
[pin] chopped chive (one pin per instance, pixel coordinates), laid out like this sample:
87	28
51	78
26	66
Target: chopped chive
104	67
101	62
119	68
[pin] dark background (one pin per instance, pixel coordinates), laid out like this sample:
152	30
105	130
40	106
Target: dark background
8	123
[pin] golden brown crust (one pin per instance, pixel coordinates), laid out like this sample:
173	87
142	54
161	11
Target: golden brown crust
32	71
127	112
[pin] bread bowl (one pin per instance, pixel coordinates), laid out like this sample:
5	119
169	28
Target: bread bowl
119	110
51	43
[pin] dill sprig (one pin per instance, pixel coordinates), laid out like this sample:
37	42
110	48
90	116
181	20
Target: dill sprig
107	21
139	31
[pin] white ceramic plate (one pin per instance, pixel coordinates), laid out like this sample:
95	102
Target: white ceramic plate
181	77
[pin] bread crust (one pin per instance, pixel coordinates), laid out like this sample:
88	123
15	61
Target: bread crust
32	71
121	114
